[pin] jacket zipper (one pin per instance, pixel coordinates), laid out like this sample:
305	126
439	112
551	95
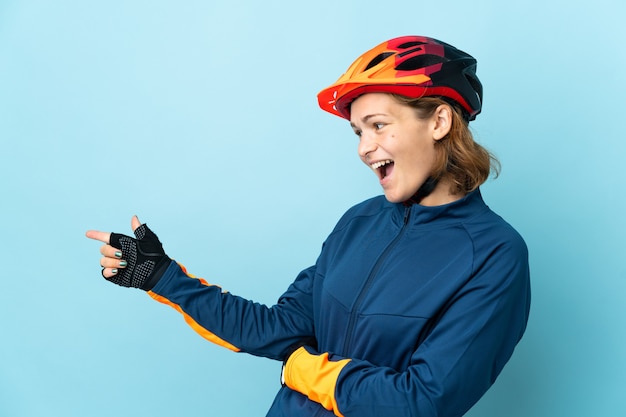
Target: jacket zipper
368	283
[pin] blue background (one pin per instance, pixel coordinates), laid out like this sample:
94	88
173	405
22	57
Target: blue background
201	118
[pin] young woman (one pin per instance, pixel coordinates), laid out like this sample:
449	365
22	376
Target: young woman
418	298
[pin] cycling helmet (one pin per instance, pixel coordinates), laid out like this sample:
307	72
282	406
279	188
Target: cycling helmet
412	66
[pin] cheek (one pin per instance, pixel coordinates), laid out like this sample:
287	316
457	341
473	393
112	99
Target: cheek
422	152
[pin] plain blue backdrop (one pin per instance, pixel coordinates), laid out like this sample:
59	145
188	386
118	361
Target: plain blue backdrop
201	118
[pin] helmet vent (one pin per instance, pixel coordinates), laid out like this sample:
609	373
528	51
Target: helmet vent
474	82
407	45
380	58
420	61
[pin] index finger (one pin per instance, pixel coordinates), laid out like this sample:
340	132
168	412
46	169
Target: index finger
104	237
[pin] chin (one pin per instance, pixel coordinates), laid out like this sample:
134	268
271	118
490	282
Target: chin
394	198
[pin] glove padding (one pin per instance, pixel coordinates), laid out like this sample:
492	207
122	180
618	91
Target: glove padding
145	256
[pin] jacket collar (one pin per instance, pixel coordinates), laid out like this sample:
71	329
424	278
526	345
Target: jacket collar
446	214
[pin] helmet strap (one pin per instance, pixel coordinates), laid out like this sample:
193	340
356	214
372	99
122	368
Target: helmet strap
426	188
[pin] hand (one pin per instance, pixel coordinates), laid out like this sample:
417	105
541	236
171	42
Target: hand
130	262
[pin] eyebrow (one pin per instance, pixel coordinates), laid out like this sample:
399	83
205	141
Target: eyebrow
366	118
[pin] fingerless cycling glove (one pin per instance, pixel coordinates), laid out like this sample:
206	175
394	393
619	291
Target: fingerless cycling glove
145	257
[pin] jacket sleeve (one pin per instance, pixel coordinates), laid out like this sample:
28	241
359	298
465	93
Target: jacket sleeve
236	323
450	369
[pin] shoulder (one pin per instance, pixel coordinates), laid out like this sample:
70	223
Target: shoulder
495	240
500	259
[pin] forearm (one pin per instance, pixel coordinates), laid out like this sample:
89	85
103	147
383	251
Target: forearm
353	387
231	321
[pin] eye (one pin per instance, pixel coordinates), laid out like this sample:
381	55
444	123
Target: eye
378	126
357	132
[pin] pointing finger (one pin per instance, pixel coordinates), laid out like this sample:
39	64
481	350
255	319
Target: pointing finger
97	235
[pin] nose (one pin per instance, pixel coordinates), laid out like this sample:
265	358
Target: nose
367	145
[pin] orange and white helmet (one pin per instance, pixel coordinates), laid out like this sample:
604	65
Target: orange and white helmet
412	66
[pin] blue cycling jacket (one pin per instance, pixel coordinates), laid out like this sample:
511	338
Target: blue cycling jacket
408	311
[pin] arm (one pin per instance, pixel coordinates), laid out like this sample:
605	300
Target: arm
230	321
234	322
471	340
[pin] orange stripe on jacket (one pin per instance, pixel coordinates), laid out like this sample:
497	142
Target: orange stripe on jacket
190	321
314	376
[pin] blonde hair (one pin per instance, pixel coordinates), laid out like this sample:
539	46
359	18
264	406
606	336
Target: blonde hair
461	160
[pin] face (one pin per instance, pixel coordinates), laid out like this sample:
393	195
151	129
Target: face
396	145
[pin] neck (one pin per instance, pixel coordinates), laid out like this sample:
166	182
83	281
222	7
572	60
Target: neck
434	193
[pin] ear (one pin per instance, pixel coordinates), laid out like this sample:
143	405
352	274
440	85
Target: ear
443	121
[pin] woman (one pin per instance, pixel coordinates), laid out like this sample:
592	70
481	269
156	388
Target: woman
418	298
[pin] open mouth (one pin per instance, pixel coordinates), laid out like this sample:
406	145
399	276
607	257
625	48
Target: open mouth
382	168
